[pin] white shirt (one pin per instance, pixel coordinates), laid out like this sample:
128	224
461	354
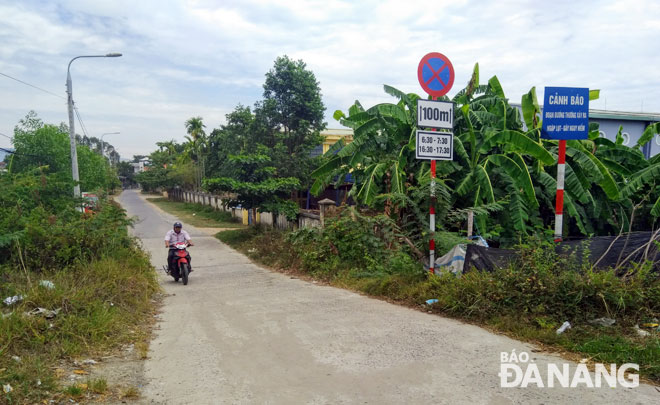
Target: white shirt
173	238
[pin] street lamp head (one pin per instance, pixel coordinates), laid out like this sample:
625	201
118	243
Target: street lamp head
113	55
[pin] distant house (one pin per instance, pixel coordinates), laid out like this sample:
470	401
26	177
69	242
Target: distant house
633	125
141	165
330	137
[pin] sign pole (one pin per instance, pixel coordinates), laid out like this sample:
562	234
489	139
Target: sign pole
432	221
559	203
432	215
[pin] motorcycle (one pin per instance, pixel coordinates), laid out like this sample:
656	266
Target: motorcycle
182	269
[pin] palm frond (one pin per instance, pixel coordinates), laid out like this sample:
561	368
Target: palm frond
648	134
519	175
574	186
356	108
496	87
607	183
643	177
484	182
410	100
369	188
655	210
517	141
530	109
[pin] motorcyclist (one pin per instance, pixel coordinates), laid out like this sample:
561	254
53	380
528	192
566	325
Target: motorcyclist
174	236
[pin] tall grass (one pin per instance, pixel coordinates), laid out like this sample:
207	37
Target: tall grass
101	305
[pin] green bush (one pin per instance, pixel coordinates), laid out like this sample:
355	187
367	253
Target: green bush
365	246
544	283
103	282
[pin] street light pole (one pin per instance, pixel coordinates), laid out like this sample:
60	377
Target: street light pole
72	131
107	133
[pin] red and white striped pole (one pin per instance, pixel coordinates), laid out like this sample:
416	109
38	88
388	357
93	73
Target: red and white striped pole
559	203
432	221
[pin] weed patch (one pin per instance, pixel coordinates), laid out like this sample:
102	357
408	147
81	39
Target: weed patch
98	386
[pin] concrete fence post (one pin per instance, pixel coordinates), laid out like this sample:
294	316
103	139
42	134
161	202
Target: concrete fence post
324	205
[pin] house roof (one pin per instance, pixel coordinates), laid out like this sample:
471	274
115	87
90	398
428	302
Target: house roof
624	115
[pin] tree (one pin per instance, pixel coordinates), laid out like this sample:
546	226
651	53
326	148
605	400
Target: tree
38	144
488	148
196	146
253	184
126	173
30	123
231	138
493	151
42	146
170	147
290	118
154	178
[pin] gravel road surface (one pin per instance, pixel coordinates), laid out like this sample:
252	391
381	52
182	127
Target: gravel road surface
241	334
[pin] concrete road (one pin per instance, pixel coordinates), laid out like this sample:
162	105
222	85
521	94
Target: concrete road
241	334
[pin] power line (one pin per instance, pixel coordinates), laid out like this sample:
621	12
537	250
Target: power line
22	154
82	125
31	85
6	136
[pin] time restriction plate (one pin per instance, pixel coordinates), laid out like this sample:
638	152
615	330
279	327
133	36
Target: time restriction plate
435	145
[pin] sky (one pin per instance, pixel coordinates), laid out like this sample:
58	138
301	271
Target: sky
184	59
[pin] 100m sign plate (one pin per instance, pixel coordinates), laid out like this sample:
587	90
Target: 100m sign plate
434	145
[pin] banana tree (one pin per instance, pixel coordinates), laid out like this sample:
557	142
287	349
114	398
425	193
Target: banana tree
638	177
492	150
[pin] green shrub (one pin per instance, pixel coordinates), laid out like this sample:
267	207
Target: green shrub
364	246
103	283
